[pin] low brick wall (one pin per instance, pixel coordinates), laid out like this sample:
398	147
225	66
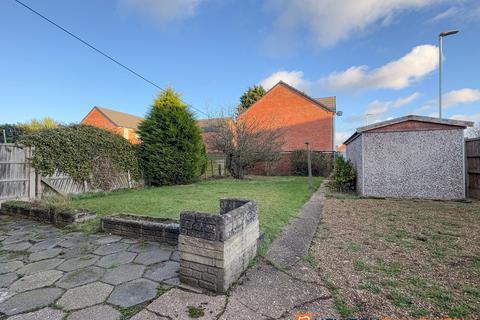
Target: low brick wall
216	249
45	216
140	227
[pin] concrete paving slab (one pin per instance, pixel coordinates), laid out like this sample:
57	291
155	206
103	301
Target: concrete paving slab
236	310
162	271
10	266
39	266
323	309
147	315
174	304
42	314
7	279
294	241
132	293
108	239
18	246
101	312
36	280
116	259
153	256
144	247
46	244
271	293
85	296
30	300
80	277
110	248
44	254
123	273
77	263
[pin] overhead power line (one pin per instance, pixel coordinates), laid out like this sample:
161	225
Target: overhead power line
100	51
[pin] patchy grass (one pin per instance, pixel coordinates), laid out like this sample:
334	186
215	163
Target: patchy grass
196	312
127	313
279	198
400	258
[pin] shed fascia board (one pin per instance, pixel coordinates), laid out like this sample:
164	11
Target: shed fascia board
352	137
448	122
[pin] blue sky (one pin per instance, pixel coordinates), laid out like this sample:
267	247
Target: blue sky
378	57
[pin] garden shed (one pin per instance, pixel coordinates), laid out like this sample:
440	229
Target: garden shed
410	157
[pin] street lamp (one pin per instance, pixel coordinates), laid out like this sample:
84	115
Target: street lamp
440	58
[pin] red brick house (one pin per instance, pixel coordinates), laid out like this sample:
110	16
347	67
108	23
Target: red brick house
302	118
119	122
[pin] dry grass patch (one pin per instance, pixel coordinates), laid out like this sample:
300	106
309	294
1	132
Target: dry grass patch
401	258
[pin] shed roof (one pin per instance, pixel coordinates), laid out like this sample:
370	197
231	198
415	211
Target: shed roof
427	121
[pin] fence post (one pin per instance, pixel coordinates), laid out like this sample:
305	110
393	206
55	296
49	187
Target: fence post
129	179
211	165
38	186
465	171
31	175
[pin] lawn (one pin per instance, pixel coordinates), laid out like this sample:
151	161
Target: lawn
400	258
279	198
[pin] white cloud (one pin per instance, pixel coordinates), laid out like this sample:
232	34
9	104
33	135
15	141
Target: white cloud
450	12
452	99
330	21
471	117
377	108
163	10
341	136
462	96
397	74
462	11
293	78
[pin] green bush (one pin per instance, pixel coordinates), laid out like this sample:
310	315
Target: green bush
343	176
322	163
85	153
172	149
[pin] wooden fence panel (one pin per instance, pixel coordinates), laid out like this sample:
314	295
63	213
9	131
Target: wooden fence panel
19	181
15	172
472	152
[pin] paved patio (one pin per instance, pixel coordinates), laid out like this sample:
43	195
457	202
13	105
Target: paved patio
84	276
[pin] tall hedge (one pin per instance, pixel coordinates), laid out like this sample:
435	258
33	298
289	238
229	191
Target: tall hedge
172	149
85	153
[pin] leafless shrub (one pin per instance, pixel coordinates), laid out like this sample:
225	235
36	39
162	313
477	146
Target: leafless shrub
246	142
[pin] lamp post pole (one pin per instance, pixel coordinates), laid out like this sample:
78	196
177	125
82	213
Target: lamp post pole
440	62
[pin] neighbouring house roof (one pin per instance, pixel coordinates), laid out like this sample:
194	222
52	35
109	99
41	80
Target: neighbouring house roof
420	119
319	102
329	102
208	125
121	119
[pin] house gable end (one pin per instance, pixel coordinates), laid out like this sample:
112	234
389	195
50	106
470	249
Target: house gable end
99	119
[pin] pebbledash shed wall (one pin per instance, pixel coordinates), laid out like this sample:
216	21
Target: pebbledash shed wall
410	157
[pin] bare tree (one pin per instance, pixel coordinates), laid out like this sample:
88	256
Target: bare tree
246	142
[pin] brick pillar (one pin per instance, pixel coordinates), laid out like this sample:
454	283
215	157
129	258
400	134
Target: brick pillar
216	249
